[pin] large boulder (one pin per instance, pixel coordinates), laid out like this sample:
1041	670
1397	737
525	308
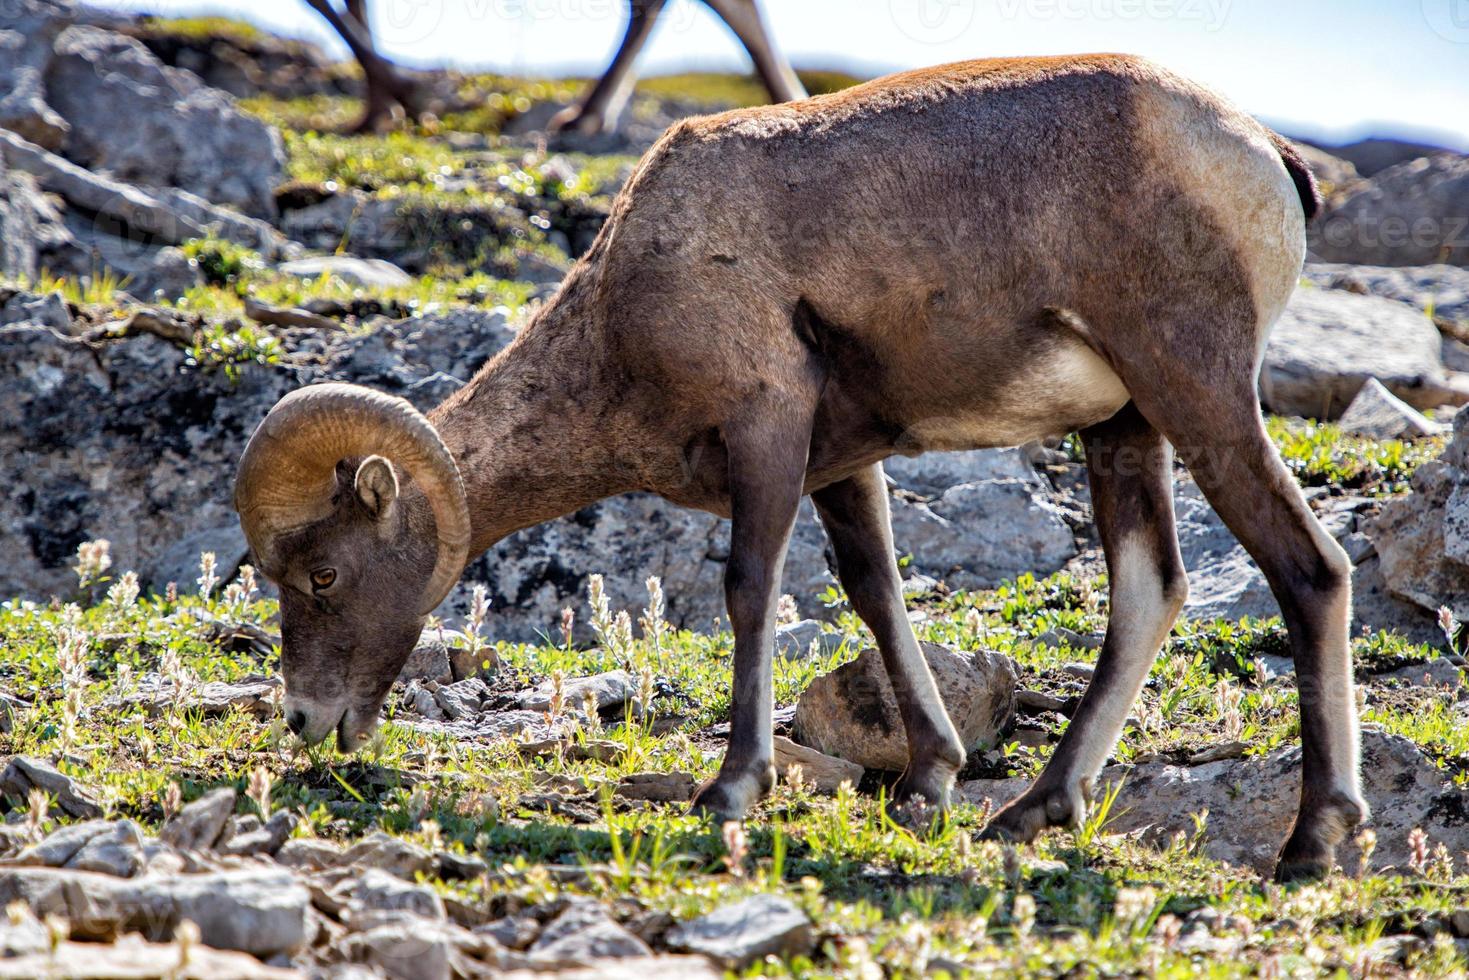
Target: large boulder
1442	289
852	713
930	474
1329	342
1252	801
1223	580
28	29
977	535
260	910
32	230
178	131
103	101
132	443
1422	539
1415	213
534	574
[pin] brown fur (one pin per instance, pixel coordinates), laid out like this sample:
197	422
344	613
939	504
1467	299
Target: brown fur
972	255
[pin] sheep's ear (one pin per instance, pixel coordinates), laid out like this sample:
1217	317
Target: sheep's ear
377	486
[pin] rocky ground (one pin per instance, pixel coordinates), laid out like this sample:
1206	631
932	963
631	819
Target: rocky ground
522	810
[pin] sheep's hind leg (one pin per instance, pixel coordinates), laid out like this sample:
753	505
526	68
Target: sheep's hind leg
767	465
855	514
1234	462
1129	468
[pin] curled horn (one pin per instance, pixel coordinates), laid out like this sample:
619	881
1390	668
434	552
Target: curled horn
287	476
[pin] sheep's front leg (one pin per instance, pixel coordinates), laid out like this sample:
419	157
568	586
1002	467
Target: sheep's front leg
767	464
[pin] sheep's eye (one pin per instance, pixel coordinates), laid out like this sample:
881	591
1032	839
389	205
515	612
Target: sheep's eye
323	578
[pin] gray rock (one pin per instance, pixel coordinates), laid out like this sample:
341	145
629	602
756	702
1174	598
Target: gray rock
255	695
1409	214
630	968
1374	154
1252	801
28	33
1444	289
199	824
117	850
1422	539
610	689
60	845
257	911
105	196
180	133
513	932
308	854
1223	581
1438	672
1276	667
35	235
977	535
1329	342
265	839
22	934
157	483
933	473
852	713
386	853
1333	173
423	701
794	641
132	956
429	660
584	933
417	949
657	787
462	699
371	273
379	891
48	311
11	709
736	935
823	773
535	573
262	912
1063	637
1379	414
25	773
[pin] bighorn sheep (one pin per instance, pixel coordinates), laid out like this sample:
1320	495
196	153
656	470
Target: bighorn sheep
973	255
597	108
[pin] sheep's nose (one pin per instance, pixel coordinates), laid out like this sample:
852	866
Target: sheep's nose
296	720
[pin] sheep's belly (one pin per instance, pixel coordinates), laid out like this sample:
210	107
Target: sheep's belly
1068	391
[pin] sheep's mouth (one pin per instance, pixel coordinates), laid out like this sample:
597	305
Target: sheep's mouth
355	730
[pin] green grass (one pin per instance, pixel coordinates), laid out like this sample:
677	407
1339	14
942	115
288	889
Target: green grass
206	28
1320	454
1089	901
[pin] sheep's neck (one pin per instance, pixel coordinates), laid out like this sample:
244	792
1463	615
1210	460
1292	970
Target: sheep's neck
538	431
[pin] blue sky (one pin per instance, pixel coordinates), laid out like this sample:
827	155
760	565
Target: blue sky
1324	68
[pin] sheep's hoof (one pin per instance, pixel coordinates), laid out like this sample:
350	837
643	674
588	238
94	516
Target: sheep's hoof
1032	812
729	795
1309	853
921	796
575	119
1304	869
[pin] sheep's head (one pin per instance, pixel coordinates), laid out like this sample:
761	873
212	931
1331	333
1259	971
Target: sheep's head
353	506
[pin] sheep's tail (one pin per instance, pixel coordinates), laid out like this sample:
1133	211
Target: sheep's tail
1300	173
